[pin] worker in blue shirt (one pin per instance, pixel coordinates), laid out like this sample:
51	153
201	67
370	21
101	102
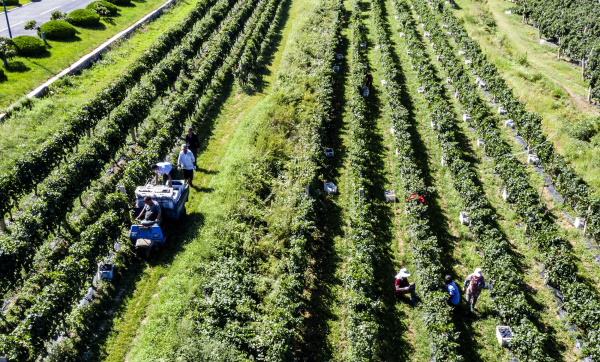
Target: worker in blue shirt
453	293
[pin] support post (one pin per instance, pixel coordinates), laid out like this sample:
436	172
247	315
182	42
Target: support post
586	219
2	224
7	23
133	135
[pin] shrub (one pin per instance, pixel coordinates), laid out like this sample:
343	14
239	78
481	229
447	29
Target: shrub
11	2
83	17
120	2
58	15
58	29
100	6
28	45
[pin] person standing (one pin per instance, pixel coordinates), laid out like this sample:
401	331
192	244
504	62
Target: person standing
452	290
186	162
404	287
191	140
473	285
165	169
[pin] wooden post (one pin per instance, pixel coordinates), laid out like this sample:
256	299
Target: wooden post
590	94
133	137
2	224
89	133
582	68
586	219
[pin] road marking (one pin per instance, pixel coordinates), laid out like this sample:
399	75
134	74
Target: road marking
49	10
14	25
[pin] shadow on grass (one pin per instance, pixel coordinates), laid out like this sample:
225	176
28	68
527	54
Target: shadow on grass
16	67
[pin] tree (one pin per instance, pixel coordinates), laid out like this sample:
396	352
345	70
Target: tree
32	24
7	50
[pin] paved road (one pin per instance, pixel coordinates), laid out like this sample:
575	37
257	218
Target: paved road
38	10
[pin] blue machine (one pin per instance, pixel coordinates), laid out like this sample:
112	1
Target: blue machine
172	203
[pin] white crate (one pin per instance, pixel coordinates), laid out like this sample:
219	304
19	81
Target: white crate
390	196
427	34
579	222
402	35
392	130
433	125
480	142
444	26
468	62
449	33
542	41
508	12
443	161
448	80
461	52
421	90
408	52
330	188
501	110
482	84
504	341
464	218
466	117
456	95
504	194
533	159
509	123
383	82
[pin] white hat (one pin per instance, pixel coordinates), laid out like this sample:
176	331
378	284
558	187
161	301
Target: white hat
183	146
403	273
477	272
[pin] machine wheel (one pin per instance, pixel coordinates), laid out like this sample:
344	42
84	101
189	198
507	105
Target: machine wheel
183	215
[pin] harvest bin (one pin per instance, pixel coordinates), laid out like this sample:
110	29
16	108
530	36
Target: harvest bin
504	335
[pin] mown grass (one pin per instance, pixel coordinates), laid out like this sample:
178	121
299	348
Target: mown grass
553	88
26	73
25	130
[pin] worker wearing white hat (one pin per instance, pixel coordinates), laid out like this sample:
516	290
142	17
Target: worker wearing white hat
404	287
473	285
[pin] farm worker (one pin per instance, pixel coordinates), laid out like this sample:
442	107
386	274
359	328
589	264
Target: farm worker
452	289
151	210
186	162
368	79
404	287
191	140
473	285
165	169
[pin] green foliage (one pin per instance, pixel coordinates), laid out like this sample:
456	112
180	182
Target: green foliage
58	29
584	129
7	50
30	25
103	8
58	15
83	17
120	2
11	2
29	45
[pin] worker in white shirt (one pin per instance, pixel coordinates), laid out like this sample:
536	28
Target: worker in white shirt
165	169
186	162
